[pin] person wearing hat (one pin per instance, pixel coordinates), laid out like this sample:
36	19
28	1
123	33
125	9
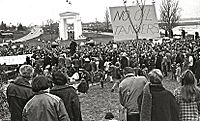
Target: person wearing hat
68	94
19	92
129	90
44	106
156	103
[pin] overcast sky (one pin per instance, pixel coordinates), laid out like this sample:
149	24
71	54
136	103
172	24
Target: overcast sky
37	11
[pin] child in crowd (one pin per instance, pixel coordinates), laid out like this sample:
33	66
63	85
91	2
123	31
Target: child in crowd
178	72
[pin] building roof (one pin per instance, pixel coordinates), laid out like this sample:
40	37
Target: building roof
65	14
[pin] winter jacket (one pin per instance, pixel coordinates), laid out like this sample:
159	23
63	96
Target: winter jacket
18	94
45	107
71	100
129	90
162	105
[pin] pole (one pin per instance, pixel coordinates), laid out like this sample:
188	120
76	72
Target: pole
136	32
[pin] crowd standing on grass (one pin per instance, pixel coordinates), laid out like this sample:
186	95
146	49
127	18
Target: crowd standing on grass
125	64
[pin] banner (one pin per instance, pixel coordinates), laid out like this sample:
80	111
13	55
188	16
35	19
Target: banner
122	29
13	60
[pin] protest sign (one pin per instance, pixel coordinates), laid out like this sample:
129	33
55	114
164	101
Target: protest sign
13	60
122	29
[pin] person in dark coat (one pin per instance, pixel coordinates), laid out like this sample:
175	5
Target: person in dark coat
54	60
85	78
76	62
28	60
179	58
19	92
156	103
124	61
73	46
87	65
159	61
197	70
83	86
68	94
47	61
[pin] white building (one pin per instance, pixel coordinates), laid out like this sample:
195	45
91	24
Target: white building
67	18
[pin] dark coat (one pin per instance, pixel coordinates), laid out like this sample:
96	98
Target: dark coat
87	66
197	70
18	94
73	46
83	86
164	106
47	61
115	72
124	62
71	101
158	62
76	63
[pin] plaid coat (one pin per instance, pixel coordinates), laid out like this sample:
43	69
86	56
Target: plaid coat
189	111
4	112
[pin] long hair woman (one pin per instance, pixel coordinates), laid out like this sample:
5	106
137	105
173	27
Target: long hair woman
188	97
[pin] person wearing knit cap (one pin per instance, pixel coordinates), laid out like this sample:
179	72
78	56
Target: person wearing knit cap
44	106
68	94
130	88
19	92
188	97
156	103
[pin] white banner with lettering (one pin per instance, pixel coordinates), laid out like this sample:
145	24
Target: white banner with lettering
122	29
12	60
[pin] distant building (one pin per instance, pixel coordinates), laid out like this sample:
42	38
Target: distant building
184	22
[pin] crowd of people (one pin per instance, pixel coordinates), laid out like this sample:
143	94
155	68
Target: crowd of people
43	88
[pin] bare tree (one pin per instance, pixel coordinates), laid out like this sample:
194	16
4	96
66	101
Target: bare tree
107	21
136	28
50	24
169	14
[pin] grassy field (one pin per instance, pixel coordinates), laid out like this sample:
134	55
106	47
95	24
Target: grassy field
98	101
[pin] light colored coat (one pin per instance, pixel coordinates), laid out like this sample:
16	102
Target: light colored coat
129	90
